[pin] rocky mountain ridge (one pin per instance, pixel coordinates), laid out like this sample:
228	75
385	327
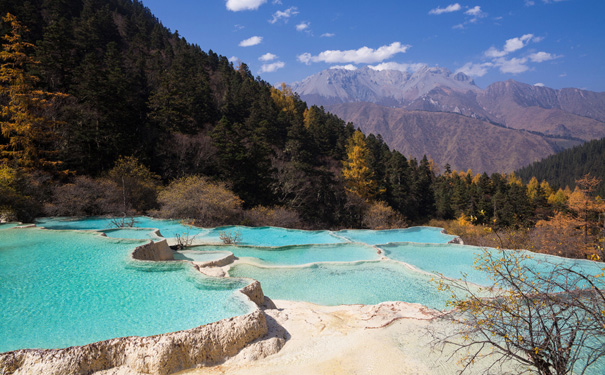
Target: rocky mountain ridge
561	118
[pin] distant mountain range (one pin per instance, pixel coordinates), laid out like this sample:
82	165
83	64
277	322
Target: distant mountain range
499	129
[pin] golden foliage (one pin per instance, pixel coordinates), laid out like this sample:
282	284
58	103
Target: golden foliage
202	201
513	179
284	99
356	168
27	121
379	215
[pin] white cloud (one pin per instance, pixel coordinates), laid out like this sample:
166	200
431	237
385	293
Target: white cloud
327	35
356	56
512	45
474	11
268	57
391	65
285	15
475	70
529	3
303	26
513	65
448	9
539	84
238	5
251	41
539	57
268	68
563	75
233	59
345	67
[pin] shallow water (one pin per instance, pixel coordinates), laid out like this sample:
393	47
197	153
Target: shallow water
336	284
303	254
168	228
414	234
456	261
63	288
200	256
132	233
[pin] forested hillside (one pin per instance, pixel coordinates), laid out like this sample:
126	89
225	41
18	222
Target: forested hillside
564	168
134	88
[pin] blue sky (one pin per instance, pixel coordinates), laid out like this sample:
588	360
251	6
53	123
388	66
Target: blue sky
557	43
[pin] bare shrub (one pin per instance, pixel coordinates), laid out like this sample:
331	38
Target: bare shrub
230	237
185	239
205	202
124	221
85	196
552	321
273	216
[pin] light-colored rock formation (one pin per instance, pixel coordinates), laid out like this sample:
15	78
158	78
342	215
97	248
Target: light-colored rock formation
157	251
228	259
391	338
160	354
254	292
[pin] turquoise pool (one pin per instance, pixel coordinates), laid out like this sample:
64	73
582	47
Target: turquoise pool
336	284
454	261
132	233
168	228
414	234
200	256
302	254
64	288
253	236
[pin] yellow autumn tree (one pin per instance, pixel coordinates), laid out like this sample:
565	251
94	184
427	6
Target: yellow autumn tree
356	170
532	189
26	121
284	99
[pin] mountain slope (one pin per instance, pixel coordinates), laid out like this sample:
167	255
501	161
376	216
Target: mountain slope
522	106
461	141
564	117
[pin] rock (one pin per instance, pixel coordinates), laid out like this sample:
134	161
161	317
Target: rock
157	251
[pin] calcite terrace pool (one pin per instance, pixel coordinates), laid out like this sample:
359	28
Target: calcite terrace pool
75	282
